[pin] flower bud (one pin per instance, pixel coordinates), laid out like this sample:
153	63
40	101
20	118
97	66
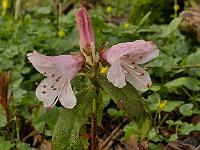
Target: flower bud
85	31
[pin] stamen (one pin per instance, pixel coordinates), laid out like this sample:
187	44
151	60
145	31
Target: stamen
45	73
125	71
44	86
136	74
54	89
129	65
52	86
53	75
140	57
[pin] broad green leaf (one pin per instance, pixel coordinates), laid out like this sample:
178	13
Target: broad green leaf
66	132
186	109
186	128
131	101
189	82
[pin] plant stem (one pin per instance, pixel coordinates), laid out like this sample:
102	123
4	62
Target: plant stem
93	125
179	67
17	9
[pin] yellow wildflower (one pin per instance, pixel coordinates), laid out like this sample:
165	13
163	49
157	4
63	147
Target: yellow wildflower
126	25
109	10
104	70
61	33
4	4
176	7
162	105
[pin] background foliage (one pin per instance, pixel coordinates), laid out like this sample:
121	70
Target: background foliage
174	98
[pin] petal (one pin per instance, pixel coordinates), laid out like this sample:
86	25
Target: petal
41	63
65	65
138	51
143	52
115	75
67	97
117	51
85	28
49	89
139	78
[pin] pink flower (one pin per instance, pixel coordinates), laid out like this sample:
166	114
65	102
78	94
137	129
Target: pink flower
85	30
59	70
125	58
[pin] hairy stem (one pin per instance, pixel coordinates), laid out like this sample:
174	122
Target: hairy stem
93	126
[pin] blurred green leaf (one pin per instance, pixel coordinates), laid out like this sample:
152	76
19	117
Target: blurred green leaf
130	129
43	117
171	105
186	109
5	145
186	128
193	59
115	113
3	120
171	27
189	82
173	137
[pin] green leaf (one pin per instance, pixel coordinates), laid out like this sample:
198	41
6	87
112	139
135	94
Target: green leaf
171	105
173	137
130	129
103	101
154	101
66	132
131	101
186	109
189	82
186	128
45	117
115	113
153	135
171	27
5	145
193	59
3	120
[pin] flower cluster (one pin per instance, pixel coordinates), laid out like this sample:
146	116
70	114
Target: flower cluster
124	59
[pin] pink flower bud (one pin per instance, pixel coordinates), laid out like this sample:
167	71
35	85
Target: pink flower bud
85	30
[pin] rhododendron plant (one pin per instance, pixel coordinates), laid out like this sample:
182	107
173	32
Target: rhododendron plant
124	59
